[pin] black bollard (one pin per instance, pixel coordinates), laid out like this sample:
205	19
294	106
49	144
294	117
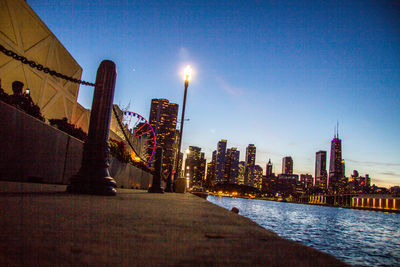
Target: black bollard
94	177
156	185
168	187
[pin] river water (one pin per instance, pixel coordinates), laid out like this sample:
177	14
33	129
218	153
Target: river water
357	237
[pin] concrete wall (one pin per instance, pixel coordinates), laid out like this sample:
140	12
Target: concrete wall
31	150
128	176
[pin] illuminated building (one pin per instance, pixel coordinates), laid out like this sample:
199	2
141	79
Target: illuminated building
306	180
258	175
287	165
220	161
241	172
320	170
250	163
335	166
358	184
195	165
231	165
163	120
210	181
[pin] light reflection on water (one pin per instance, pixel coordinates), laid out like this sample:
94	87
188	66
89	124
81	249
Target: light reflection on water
359	238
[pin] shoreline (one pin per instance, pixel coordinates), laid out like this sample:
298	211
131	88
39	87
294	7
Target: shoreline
318	204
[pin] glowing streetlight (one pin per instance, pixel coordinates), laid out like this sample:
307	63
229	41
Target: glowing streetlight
188	73
187	76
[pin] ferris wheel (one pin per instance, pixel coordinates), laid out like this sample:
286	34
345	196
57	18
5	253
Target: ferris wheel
144	134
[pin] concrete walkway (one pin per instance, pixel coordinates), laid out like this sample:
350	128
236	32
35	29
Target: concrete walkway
43	226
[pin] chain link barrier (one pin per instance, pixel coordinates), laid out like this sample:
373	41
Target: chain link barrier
126	137
40	67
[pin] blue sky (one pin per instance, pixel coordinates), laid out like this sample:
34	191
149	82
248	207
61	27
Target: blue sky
277	74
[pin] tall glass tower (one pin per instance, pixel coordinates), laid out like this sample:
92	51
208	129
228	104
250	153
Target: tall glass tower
163	116
250	165
320	170
220	161
335	166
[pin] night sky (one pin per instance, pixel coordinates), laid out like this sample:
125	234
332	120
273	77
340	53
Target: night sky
276	74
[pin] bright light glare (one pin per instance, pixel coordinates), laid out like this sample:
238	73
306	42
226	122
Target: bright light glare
188	73
187	151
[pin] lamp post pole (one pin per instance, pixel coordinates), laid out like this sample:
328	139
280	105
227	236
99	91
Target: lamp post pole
188	72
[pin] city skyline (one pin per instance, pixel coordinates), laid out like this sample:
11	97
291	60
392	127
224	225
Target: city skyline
277	75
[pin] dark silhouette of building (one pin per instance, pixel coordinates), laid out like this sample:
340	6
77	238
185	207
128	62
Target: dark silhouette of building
287	165
321	176
336	165
163	116
220	161
306	180
268	169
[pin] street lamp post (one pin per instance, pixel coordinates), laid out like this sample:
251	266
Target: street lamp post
188	75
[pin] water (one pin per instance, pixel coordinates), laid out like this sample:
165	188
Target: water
357	237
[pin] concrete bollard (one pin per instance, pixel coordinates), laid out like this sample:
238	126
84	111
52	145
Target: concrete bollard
94	176
180	185
168	187
156	185
235	210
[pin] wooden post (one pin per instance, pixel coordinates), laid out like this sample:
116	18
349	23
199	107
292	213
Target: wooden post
94	177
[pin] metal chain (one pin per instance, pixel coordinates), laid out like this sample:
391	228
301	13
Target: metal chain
126	137
40	67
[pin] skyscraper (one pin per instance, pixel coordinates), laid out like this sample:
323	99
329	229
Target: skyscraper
320	170
268	171
241	172
163	116
287	165
231	165
220	161
210	181
195	165
258	175
335	166
250	163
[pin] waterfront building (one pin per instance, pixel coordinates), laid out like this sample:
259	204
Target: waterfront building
195	166
241	172
250	163
269	185
321	176
306	180
358	184
287	165
336	165
220	161
286	184
288	176
163	115
210	181
268	169
258	175
231	165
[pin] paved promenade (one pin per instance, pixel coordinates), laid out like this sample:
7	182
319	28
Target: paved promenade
41	225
